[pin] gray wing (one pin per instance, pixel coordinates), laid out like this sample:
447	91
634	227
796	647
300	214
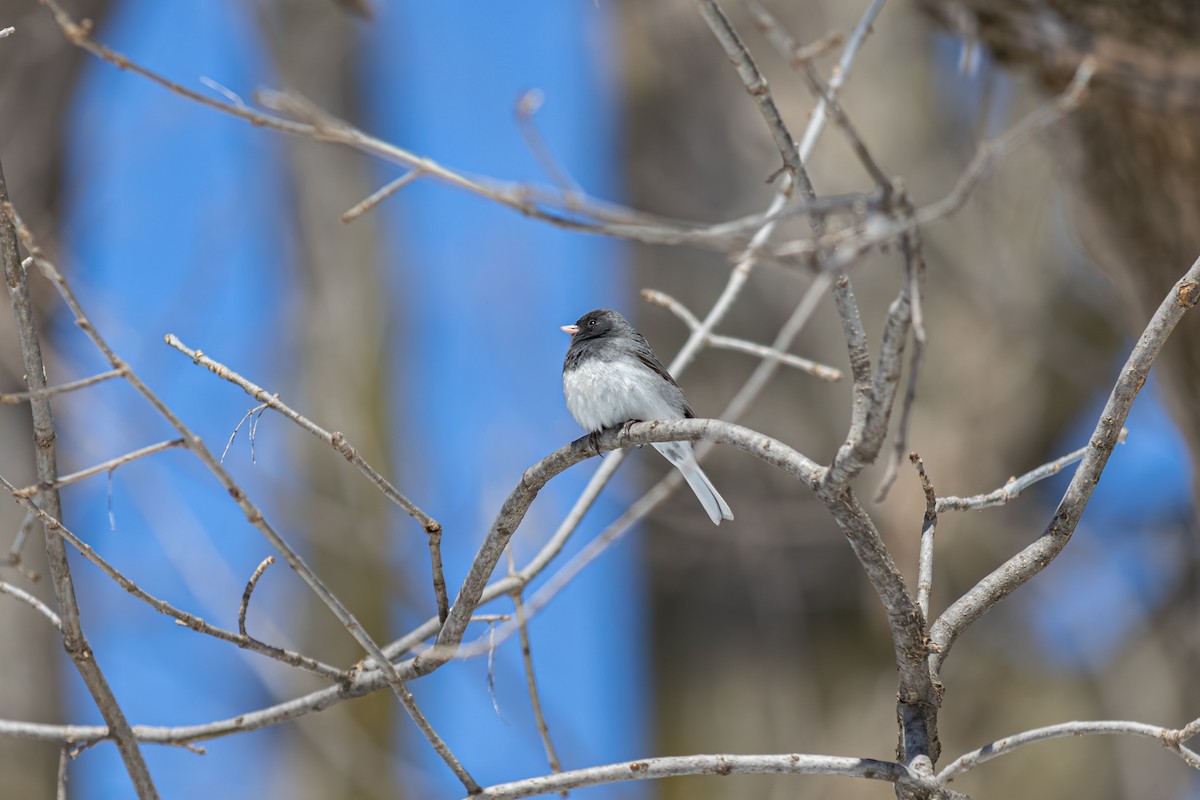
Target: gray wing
644	354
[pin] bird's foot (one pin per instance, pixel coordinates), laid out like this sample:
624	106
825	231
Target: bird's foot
629	423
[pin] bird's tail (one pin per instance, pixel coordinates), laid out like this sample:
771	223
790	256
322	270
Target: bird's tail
680	454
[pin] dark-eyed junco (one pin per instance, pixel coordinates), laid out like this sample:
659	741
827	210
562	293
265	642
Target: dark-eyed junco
611	375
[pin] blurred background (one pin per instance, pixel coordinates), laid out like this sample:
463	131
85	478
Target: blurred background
426	331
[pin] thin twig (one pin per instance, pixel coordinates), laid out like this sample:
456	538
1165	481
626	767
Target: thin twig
530	677
1170	739
378	196
801	59
928	527
31	601
839	75
233	435
822	371
224	91
841	248
914	273
757	88
50	391
105	466
527	105
338	441
191	621
491	671
250	584
1012	489
13	559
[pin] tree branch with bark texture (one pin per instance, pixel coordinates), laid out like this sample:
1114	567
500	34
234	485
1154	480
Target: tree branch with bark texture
44	434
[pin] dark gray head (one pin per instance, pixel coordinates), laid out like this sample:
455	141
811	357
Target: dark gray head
598	324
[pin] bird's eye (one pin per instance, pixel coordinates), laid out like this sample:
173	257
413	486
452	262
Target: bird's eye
591	323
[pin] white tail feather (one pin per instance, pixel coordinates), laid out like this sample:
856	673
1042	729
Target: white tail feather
680	454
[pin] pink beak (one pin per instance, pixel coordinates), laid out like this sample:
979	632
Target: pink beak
571	329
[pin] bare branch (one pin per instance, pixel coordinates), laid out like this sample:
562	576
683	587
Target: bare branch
528	104
653	498
822	371
249	415
841	248
801	59
1012	489
31	601
918	696
928	527
64	755
1034	558
105	466
656	768
1170	739
250	584
1034	123
859	352
840	73
56	528
593	216
50	391
869	424
13	559
378	196
530	678
759	91
914	272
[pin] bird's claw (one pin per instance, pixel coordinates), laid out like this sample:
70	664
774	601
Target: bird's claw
627	424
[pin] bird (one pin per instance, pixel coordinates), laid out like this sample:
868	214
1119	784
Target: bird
611	376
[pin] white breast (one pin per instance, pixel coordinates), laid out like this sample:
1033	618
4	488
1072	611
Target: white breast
604	393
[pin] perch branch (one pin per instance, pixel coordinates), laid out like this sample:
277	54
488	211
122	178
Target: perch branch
657	768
